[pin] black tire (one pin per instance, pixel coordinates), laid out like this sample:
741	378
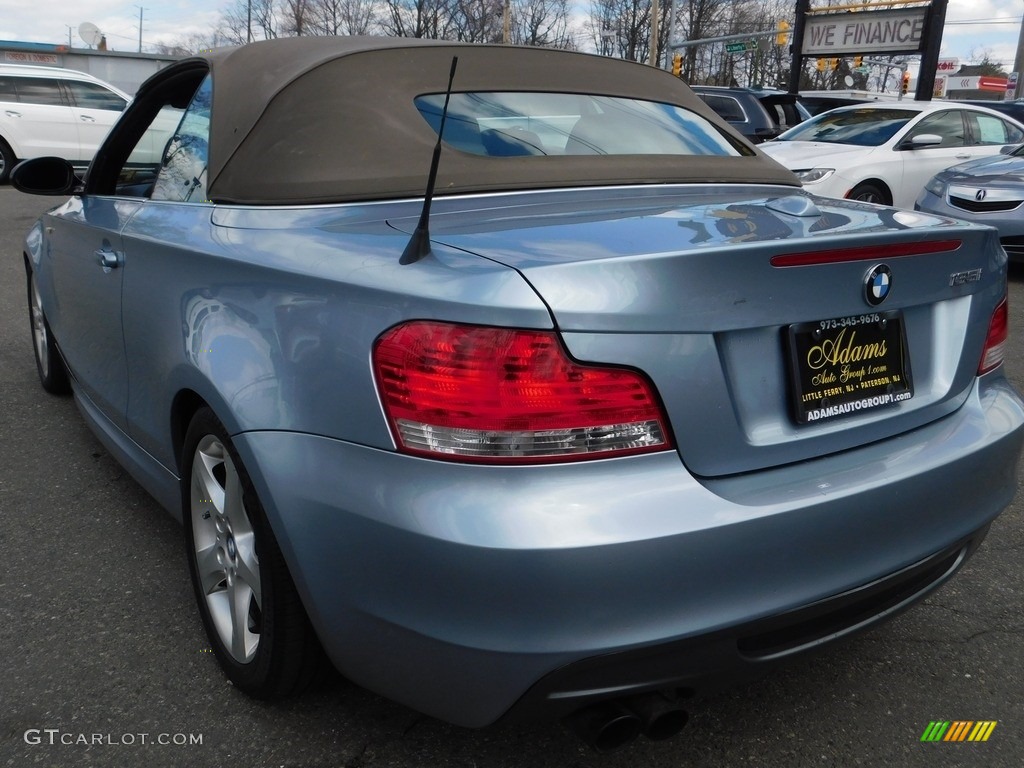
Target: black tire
265	643
7	161
53	374
869	192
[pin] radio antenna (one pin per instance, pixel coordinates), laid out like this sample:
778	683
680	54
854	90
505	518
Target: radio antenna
419	244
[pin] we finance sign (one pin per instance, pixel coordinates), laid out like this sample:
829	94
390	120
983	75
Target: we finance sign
899	31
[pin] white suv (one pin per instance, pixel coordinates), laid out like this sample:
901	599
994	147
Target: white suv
53	111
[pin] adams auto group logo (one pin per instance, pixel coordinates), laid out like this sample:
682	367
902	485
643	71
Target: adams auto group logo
959	730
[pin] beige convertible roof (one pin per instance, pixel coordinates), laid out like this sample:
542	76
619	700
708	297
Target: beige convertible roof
332	119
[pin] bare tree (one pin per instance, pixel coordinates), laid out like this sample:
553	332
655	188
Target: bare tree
477	21
699	19
294	14
765	64
189	44
248	20
542	23
418	18
342	17
986	65
621	28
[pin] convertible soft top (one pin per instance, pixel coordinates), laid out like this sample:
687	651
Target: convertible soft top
333	119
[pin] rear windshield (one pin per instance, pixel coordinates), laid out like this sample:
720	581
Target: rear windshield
514	124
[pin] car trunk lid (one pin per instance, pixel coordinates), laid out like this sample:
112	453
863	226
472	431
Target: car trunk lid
716	294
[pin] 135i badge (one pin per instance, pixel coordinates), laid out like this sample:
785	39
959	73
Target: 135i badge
877	284
961	278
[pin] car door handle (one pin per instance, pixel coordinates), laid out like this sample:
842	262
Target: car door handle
108	259
964	157
87	118
12	113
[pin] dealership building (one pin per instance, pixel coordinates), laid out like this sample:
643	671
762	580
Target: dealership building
124	70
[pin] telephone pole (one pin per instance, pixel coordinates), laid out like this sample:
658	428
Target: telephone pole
653	58
141	9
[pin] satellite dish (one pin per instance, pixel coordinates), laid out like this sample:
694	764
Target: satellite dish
849	81
90	33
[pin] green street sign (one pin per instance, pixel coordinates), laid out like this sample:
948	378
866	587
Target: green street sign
741	46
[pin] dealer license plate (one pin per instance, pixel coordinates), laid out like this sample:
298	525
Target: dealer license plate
846	365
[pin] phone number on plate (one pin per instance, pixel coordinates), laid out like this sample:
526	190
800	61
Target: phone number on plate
846	322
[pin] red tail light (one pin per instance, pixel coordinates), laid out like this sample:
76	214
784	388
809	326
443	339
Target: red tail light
509	396
995	342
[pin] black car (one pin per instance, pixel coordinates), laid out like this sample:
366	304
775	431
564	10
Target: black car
758	114
1014	108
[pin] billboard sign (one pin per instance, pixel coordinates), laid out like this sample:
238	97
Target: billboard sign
836	34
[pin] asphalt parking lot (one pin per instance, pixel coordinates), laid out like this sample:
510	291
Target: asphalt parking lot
105	663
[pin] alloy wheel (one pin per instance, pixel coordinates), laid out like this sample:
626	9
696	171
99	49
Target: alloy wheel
39	336
225	551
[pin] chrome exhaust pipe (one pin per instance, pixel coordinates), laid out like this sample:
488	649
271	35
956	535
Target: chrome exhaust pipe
661	717
605	727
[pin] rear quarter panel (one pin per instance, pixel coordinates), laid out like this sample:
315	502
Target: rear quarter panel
270	315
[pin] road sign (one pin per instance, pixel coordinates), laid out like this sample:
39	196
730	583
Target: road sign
741	46
948	65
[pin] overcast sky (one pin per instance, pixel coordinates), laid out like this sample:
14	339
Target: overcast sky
973	26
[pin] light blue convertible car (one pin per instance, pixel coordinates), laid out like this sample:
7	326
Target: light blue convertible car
580	409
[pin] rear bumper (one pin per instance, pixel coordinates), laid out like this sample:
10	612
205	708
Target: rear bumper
467	592
718	659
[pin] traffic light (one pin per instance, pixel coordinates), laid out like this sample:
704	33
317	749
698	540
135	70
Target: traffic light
820	64
858	61
782	33
677	65
906	82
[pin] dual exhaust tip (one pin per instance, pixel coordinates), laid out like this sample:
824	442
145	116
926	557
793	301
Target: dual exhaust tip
611	725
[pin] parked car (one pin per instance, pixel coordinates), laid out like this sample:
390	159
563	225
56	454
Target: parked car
53	111
523	386
758	114
885	153
816	102
1013	108
989	190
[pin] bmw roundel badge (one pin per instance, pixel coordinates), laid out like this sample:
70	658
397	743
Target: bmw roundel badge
877	284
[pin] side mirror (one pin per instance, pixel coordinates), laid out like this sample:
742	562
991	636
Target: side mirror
45	176
921	140
1009	149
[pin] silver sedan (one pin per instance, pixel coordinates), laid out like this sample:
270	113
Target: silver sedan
989	190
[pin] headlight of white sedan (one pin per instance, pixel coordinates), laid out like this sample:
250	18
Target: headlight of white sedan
812	175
